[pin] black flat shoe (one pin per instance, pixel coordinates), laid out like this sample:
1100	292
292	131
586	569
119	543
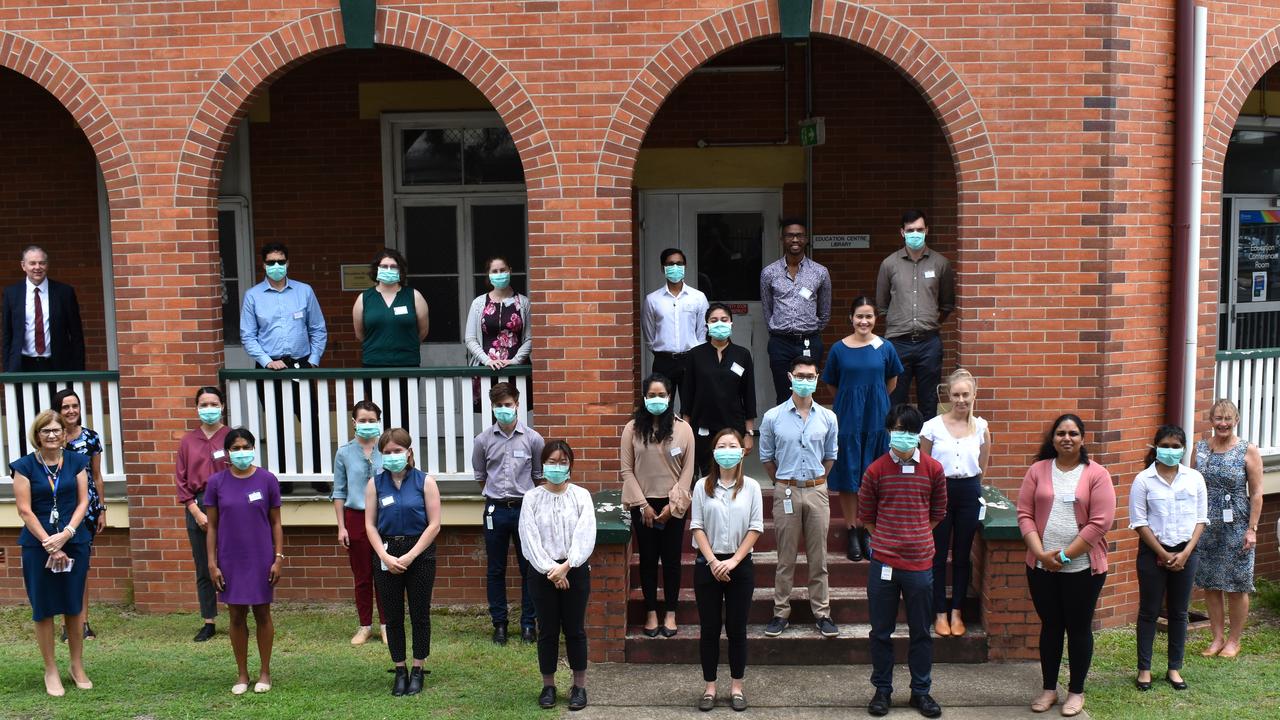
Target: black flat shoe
668	632
205	633
927	706
528	635
577	698
401	684
415	682
547	699
738	702
853	549
652	633
1176	685
879	705
1142	686
499	634
707	703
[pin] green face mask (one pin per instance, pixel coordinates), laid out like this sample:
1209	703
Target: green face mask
277	272
388	276
504	415
656	405
368	430
555	474
241	459
395	462
209	415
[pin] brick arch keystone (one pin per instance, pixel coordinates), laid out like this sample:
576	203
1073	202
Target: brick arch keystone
227	101
889	39
1260	57
86	107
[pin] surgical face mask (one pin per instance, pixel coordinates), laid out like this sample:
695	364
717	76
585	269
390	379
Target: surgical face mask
209	415
500	280
1169	456
388	276
720	330
555	474
277	272
368	430
727	458
674	273
505	415
804	388
241	459
915	239
904	441
395	462
656	405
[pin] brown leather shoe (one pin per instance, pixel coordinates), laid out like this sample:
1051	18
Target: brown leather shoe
942	627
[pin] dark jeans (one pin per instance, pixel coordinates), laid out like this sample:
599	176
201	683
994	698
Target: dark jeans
1065	603
915	587
200	554
955	533
506	530
1157	586
561	611
782	350
672	366
417	582
654	544
726	605
921	360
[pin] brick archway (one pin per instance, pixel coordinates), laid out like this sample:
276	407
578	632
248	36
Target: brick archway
86	107
1261	56
227	101
895	43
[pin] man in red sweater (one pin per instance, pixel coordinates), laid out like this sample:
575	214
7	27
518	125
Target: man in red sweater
903	496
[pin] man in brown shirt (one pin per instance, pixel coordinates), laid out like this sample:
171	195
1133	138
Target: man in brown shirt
915	292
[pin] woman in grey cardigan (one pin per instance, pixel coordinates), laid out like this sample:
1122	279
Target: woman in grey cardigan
498	332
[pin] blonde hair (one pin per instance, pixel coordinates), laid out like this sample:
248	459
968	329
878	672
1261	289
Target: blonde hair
43	419
713	474
964	375
1225	404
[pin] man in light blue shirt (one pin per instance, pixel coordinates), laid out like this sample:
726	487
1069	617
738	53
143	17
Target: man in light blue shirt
798	448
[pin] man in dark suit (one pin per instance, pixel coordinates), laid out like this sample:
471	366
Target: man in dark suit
42	330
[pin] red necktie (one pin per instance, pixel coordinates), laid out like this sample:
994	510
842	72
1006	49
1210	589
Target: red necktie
39	324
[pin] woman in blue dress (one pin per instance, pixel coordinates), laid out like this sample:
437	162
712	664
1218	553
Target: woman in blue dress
88	443
863	368
51	492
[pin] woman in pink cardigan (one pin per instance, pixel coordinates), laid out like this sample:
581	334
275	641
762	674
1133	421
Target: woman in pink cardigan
1065	508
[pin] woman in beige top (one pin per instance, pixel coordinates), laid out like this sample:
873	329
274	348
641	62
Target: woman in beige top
657	472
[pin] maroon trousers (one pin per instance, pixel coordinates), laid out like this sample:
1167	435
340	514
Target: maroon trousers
360	554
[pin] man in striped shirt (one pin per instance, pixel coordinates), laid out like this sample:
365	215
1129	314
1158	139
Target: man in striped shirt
902	498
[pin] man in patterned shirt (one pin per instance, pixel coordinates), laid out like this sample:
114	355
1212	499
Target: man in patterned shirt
796	294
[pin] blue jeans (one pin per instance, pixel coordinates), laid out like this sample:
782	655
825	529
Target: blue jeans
782	350
506	530
955	533
916	589
921	360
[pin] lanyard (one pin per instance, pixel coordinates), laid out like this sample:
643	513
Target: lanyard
54	477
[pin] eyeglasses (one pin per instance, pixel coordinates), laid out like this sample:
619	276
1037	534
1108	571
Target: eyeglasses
804	377
794	236
51	432
277	263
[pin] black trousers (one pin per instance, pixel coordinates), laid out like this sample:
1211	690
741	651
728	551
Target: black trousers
921	360
1065	603
418	581
200	554
956	533
1159	586
723	604
561	611
654	544
672	366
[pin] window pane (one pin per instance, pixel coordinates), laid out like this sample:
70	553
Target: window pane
230	277
499	230
729	256
441	293
432	156
490	156
1253	162
431	238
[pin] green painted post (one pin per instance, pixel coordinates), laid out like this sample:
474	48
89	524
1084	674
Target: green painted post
795	16
357	22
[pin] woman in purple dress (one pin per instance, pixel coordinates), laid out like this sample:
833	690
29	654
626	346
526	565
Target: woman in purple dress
245	540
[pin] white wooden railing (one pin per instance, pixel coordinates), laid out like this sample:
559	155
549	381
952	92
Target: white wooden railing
434	404
28	394
1251	379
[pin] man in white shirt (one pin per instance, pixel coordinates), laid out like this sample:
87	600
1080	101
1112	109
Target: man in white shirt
674	319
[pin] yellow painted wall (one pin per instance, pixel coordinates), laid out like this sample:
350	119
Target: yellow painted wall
427	95
766	166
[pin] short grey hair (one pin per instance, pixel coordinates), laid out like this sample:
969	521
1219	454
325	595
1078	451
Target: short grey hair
29	248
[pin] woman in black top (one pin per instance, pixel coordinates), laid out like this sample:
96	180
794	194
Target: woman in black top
719	389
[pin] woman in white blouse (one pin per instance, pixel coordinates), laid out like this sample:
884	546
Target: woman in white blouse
1169	508
727	519
959	440
557	535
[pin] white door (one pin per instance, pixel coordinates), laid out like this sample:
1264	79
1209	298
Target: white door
727	238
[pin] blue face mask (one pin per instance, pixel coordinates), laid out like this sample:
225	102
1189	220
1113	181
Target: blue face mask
277	272
720	330
241	459
388	276
500	280
504	415
656	405
903	441
368	430
1169	456
555	474
804	388
674	273
727	458
395	462
209	415
915	239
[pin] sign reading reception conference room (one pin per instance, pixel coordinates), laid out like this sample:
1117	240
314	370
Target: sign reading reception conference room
840	242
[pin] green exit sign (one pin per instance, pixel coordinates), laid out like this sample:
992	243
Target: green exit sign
813	132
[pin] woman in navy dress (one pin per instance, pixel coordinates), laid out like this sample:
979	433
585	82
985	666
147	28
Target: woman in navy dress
245	543
51	491
863	368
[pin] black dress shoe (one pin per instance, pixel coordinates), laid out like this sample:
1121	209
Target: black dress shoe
577	698
205	633
401	684
547	699
528	635
653	633
1175	684
499	634
926	705
1142	686
415	682
853	551
879	704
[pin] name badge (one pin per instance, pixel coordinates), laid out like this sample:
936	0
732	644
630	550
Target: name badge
908	468
255	496
806	293
387	500
219	454
488	522
886	573
703	432
805	353
677	451
786	506
1228	515
1068	499
383	563
519	454
400	310
737	369
982	509
929	273
298	315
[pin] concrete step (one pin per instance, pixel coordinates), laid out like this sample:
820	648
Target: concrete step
840	571
848	605
801	644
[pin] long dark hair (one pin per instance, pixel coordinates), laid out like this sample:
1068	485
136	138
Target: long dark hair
1162	432
655	428
1047	451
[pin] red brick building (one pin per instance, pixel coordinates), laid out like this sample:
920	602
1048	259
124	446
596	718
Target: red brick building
579	136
